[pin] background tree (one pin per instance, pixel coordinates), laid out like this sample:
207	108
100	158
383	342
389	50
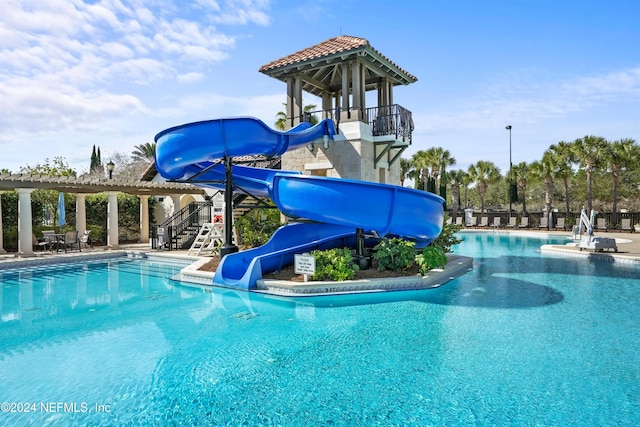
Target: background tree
405	170
49	198
545	170
421	162
621	154
564	157
456	179
144	153
95	167
590	151
521	173
127	169
439	159
281	116
483	173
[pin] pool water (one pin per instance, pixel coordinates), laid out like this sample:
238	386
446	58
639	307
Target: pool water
523	339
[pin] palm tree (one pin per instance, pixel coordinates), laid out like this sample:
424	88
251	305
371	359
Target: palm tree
281	116
421	163
405	170
622	154
456	179
483	173
590	151
144	152
564	157
545	170
440	159
521	173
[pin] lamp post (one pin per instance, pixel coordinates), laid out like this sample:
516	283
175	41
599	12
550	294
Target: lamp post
110	167
510	167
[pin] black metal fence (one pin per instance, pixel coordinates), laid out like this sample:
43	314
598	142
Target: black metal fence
570	220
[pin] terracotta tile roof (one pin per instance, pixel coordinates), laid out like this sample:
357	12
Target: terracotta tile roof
327	48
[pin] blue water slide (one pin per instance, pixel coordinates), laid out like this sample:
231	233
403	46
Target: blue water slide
243	269
179	148
192	152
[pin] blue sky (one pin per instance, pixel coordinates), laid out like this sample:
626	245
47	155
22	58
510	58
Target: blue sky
114	73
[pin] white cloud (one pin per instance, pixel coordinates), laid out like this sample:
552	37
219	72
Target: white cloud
191	77
530	102
73	65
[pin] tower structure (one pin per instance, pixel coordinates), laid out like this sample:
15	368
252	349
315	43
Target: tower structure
340	71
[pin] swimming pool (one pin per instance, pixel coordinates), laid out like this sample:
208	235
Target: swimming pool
524	339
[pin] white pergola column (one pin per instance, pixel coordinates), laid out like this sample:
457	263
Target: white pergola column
2	250
176	203
144	219
25	229
81	213
112	220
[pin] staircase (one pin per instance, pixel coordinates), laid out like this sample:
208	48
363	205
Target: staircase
179	230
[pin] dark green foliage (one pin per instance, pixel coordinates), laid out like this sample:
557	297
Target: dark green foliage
394	254
447	237
256	226
128	217
430	258
334	264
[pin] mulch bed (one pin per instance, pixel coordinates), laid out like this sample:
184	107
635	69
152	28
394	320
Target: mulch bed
287	273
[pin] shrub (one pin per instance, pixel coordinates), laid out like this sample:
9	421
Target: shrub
447	237
394	254
256	226
431	257
334	264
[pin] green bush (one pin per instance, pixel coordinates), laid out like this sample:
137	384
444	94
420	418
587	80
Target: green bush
257	226
431	257
334	264
394	254
447	237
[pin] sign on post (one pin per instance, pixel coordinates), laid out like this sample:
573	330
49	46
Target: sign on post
304	264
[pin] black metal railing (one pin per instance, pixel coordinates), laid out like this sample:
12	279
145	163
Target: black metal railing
182	227
385	120
390	120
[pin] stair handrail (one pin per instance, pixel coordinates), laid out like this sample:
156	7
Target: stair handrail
178	223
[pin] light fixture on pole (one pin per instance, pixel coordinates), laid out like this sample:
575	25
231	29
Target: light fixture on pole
510	174
110	167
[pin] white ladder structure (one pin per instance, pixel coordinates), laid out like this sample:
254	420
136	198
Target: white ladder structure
208	240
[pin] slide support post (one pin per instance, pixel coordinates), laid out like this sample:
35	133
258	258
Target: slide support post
228	247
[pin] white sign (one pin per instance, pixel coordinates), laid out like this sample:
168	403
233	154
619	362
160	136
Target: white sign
304	264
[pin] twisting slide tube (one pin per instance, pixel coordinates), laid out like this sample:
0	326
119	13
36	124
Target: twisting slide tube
338	206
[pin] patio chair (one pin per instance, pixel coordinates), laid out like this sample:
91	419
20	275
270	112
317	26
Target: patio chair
473	221
544	222
497	222
560	224
524	222
71	240
41	243
625	224
86	239
449	221
459	220
484	221
512	222
601	224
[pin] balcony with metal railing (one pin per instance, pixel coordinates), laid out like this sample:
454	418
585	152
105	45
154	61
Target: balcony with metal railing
386	120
